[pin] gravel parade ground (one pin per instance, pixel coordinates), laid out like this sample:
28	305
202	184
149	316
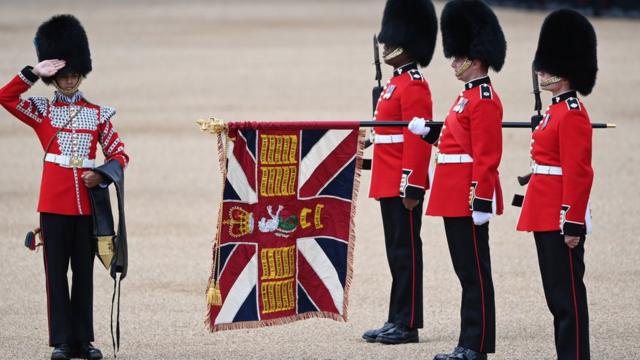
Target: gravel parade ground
164	64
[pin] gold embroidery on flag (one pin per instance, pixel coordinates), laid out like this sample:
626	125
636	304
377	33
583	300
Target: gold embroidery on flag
278	161
277	296
278	149
277	263
278	181
278	154
293	150
264	147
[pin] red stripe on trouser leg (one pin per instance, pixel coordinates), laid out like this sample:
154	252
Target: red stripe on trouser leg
46	278
413	270
575	304
484	323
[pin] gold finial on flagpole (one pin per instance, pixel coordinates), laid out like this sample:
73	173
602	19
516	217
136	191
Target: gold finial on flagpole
213	125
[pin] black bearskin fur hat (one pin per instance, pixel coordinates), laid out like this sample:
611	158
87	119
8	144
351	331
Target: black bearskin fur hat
412	25
567	48
63	37
471	29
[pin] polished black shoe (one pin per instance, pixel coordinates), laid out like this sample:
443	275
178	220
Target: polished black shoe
61	352
455	351
460	353
88	351
371	335
398	334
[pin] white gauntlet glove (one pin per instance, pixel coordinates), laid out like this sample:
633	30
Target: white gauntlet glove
419	126
480	217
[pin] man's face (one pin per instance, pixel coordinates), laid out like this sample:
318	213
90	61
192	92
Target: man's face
67	82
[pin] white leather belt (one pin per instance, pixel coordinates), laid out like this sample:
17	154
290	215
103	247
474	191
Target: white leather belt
69	161
388	139
453	158
546	170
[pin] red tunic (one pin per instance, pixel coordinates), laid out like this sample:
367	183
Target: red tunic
401	168
473	127
562	139
61	189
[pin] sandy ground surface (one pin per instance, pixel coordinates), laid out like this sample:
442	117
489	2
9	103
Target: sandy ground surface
164	64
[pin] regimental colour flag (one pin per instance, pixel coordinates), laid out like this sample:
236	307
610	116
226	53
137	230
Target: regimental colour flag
285	236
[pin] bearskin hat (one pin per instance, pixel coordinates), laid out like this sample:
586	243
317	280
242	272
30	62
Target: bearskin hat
412	25
63	37
567	48
471	29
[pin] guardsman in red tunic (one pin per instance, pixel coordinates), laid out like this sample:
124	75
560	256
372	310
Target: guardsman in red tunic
69	128
399	176
556	205
466	188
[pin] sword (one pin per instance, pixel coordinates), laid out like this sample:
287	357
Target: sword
377	90
537	115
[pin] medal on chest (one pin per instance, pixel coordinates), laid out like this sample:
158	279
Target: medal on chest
459	108
545	121
389	92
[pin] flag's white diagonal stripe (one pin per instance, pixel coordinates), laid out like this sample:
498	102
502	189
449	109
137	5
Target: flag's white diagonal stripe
241	288
322	266
238	179
319	153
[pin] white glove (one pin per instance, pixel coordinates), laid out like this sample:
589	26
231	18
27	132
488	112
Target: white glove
419	126
480	217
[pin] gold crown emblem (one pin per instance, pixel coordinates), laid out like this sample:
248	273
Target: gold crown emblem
240	222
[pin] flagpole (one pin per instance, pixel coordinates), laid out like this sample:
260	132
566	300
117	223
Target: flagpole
215	125
506	124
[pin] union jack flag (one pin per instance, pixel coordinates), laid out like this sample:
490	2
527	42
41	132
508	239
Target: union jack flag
285	236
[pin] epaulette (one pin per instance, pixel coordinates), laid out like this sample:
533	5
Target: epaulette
573	104
486	92
415	74
41	103
106	113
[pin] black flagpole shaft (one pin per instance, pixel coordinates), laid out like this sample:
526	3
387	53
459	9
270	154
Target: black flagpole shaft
506	124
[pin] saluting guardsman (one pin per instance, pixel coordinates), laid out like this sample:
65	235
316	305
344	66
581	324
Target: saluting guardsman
556	204
399	175
69	128
466	188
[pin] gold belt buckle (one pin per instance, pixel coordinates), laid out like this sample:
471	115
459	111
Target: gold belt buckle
75	162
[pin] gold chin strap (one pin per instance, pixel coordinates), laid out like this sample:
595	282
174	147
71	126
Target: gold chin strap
550	81
394	54
69	92
464	67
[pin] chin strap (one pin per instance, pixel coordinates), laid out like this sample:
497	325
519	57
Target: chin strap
394	54
464	67
550	81
68	92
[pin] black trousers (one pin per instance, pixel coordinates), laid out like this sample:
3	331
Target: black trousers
562	270
68	239
404	253
469	249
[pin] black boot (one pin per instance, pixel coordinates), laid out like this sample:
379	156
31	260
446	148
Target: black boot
371	335
460	353
398	334
88	351
61	352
